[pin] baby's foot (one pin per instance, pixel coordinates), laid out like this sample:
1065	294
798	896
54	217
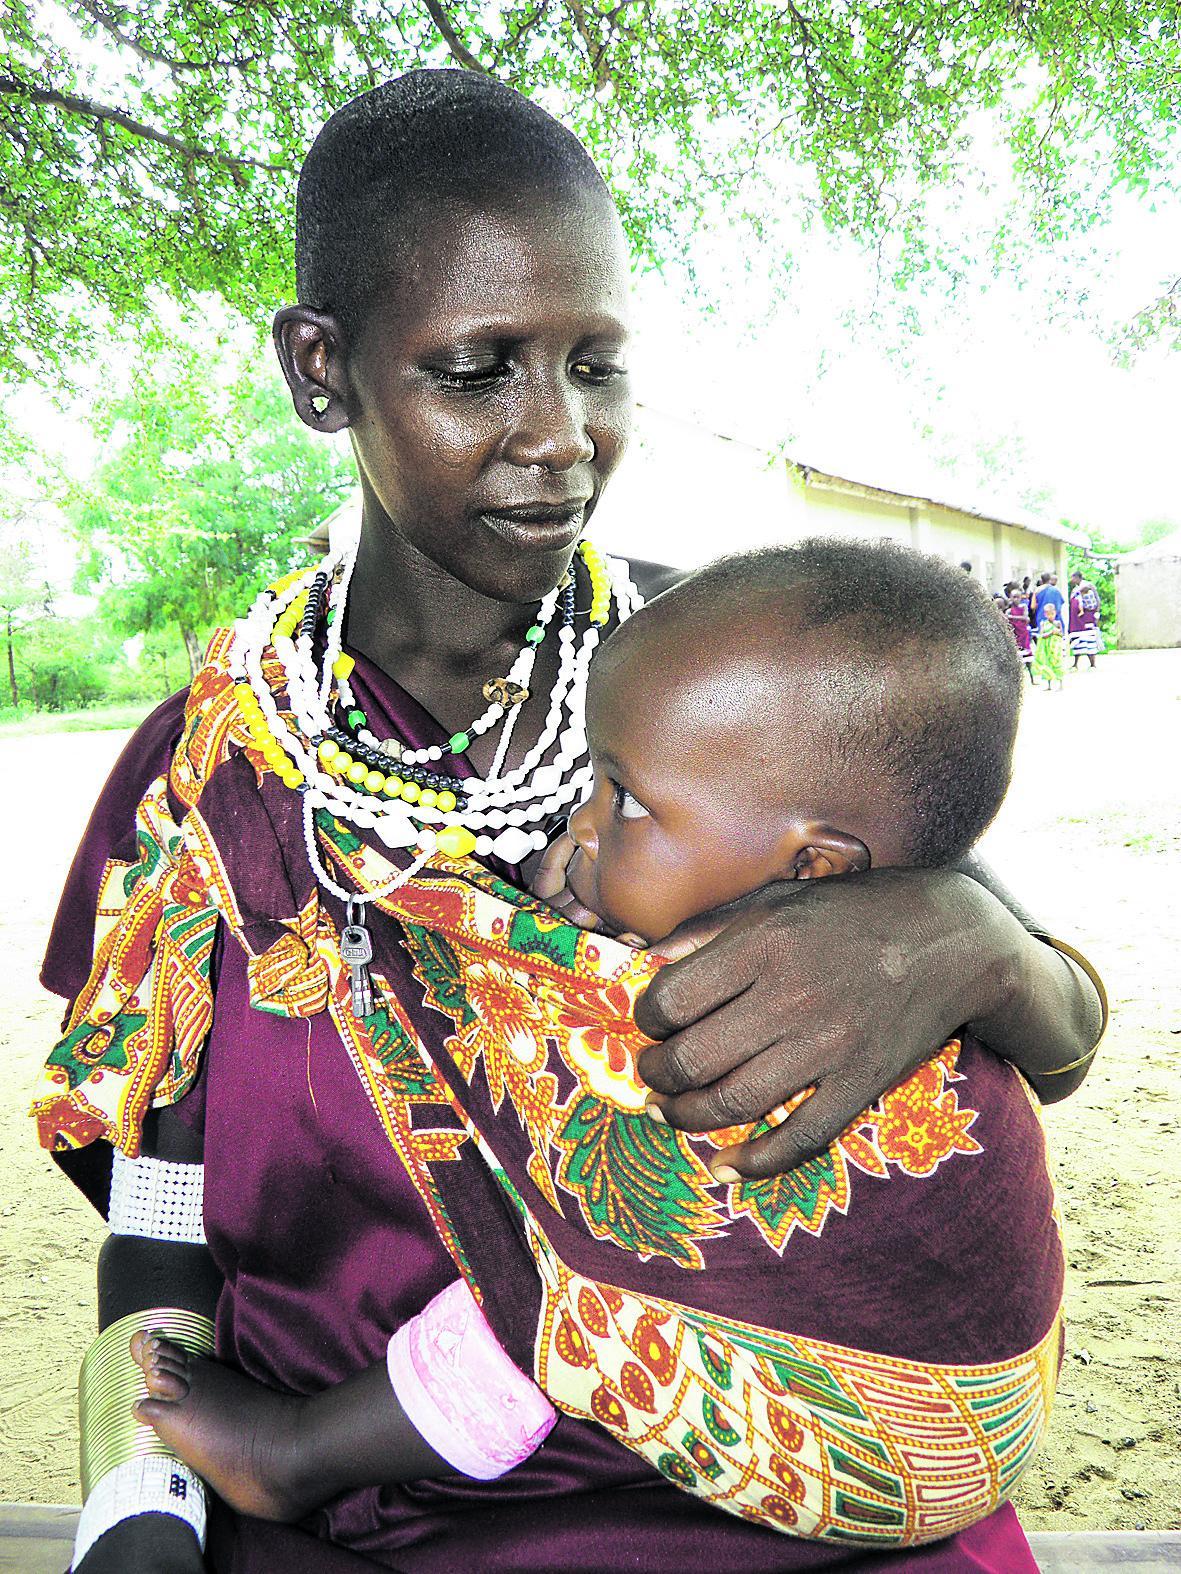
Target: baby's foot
239	1436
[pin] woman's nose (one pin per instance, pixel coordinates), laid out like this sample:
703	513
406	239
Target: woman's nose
581	827
552	429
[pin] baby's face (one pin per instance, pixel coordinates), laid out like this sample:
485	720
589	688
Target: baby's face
705	761
663	836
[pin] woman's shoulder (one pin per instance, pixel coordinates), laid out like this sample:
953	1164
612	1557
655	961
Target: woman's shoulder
109	834
651	579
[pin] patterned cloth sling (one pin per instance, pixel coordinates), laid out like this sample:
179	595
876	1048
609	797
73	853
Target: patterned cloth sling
863	1350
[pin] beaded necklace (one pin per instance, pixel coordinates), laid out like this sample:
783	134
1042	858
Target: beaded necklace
380	784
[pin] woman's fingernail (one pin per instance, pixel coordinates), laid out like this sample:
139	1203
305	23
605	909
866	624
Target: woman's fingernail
654	1112
727	1174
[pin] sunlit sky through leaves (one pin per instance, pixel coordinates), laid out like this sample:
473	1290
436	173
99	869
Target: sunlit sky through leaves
998	387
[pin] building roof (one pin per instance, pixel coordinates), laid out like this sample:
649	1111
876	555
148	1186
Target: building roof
1167	546
1007	516
813	475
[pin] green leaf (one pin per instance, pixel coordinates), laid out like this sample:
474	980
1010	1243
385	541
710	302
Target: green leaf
638	1183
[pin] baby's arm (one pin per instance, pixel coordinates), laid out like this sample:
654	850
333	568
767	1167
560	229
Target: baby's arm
446	1399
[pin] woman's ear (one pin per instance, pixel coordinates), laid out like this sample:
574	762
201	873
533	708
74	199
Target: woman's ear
823	852
310	347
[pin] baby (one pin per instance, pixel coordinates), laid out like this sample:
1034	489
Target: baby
798	712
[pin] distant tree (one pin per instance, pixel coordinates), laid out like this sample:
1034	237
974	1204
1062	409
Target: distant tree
25	596
1156	530
205	485
154	144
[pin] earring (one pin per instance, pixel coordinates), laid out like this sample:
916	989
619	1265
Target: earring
319	403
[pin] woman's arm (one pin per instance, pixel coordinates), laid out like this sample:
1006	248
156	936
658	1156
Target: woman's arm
137	1273
846	986
1052	1012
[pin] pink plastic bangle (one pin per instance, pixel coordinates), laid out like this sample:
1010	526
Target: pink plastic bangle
461	1392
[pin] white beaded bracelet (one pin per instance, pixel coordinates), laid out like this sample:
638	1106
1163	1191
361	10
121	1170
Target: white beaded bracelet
155	1485
157	1198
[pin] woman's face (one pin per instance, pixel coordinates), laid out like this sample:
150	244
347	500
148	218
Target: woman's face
489	392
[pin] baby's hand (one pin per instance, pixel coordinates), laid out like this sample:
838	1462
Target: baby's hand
549	883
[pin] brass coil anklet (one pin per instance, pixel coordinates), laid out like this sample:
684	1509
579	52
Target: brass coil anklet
110	1383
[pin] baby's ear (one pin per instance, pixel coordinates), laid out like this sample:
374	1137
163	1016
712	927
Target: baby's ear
829	852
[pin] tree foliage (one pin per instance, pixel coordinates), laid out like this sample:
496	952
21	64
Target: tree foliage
25	596
206	485
156	143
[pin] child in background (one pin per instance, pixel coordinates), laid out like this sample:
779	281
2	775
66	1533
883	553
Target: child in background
1017	612
1050	661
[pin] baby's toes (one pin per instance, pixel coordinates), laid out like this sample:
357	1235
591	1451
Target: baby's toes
162	1382
173	1357
166	1369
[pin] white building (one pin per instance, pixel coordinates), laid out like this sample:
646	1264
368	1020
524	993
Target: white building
686	494
1148	595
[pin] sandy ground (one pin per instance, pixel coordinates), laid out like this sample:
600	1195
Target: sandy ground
1090	837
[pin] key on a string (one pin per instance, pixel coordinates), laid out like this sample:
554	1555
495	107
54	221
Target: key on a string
356	952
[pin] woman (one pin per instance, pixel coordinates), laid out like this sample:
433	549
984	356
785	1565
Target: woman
1084	620
463	276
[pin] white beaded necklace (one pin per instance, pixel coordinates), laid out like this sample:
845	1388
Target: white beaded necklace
503	804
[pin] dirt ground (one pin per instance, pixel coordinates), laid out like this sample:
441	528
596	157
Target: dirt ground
1090	837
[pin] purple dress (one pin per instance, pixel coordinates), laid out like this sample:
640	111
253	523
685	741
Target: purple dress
326	1248
1018	616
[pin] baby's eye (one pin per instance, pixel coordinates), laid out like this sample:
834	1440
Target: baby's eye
627	807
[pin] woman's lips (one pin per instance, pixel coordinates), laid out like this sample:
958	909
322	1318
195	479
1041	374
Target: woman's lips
541	528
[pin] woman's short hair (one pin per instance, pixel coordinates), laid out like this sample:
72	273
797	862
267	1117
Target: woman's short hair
400	155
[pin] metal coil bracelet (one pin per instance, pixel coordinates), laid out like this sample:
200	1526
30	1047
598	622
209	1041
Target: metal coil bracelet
110	1382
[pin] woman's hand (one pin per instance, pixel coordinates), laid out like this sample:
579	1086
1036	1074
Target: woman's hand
145	1544
843	985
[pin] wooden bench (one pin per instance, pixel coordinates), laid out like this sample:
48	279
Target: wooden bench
35	1538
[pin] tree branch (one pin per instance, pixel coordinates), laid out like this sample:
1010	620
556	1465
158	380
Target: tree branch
108	23
117	117
596	48
456	47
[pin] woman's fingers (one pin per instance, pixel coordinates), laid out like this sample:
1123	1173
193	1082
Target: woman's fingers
714	1074
807	1131
692	936
689	989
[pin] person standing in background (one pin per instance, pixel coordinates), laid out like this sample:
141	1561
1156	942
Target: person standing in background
1047	592
1049	661
1084	619
1017	612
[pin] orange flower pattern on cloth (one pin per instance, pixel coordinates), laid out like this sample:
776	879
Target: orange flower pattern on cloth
526	993
919	1124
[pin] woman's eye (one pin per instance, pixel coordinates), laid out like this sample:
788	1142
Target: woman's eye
627	807
469	377
596	371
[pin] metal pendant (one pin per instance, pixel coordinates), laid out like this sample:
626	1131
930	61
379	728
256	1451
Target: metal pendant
502	691
356	952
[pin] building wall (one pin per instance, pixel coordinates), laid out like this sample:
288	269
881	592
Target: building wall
684	496
1148	601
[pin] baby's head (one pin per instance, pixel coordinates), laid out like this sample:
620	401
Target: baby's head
786	714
